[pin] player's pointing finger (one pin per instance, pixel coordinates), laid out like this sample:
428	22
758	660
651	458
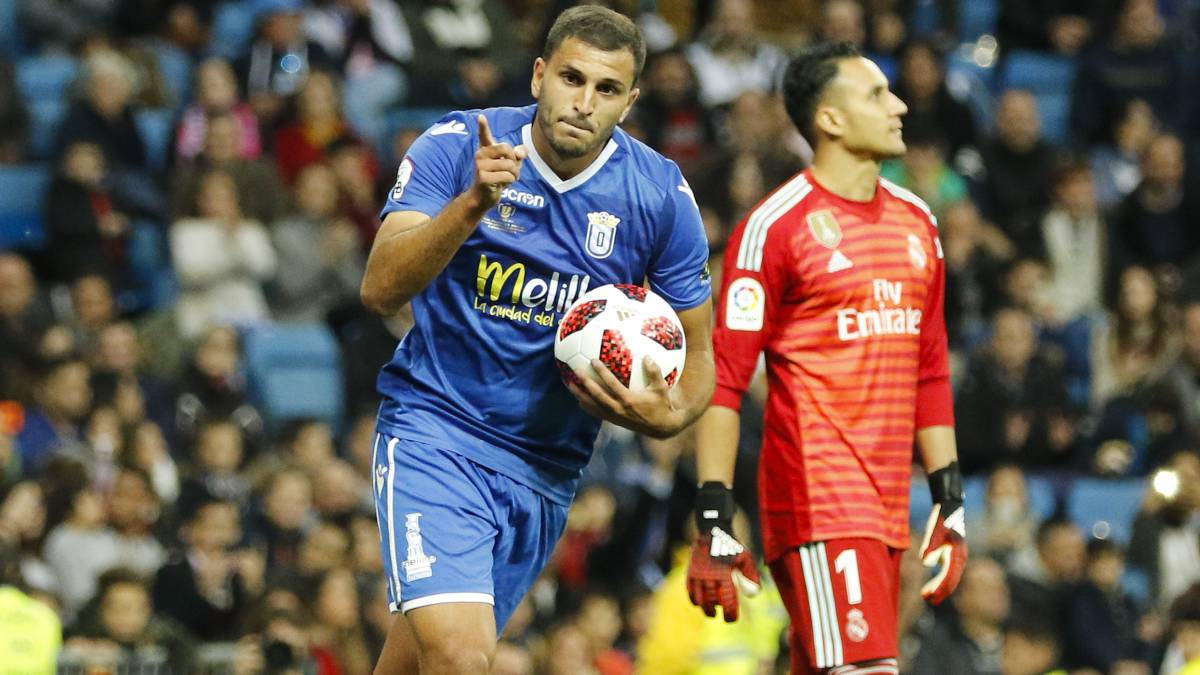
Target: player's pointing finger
485	132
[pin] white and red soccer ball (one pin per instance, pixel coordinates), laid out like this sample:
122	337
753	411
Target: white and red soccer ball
620	324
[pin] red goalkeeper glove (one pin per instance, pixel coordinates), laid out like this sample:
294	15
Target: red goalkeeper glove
945	545
720	565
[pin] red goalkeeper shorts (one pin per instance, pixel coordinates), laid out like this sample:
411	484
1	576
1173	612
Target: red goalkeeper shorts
843	597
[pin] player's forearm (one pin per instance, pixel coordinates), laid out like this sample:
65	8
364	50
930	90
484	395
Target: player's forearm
695	390
938	447
405	258
716	444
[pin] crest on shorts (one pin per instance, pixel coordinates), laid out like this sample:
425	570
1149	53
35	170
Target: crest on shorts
856	626
601	233
825	228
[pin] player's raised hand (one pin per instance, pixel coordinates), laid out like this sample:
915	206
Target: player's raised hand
650	411
720	566
497	165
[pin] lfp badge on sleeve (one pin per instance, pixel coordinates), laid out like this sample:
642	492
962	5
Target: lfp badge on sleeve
602	232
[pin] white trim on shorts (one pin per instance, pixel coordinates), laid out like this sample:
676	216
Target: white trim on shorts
444	599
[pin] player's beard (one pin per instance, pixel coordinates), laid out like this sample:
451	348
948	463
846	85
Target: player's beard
566	151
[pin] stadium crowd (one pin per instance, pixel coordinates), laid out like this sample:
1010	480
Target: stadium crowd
214	169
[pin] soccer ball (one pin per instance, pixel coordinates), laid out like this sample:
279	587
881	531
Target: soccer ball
621	325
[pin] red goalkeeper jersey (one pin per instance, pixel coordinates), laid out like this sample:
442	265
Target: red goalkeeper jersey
844	299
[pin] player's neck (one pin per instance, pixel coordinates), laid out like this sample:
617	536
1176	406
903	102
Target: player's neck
845	175
565	168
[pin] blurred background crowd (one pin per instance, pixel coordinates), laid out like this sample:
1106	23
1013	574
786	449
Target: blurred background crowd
188	189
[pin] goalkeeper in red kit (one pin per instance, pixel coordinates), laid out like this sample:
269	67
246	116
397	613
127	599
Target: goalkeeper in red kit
837	278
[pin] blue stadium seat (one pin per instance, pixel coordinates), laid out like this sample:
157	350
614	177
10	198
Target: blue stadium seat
295	371
46	78
12	40
1038	72
232	28
976	18
22	189
176	68
1105	508
155	126
1042	500
44	119
1055	112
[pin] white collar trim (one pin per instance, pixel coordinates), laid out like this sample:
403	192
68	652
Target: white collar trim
552	178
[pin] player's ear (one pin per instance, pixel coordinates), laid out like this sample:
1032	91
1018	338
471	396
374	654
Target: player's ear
633	97
539	72
830	120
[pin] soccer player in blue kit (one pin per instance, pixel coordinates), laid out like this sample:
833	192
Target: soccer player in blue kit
480	445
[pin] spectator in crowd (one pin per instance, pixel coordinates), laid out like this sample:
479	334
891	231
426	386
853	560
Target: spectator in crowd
287	513
729	58
214	386
93	306
121	622
325	260
969	640
319	122
134	513
219	453
1165	531
599	618
1137	432
1138	342
118	353
23	319
371	43
80	545
146	449
58	26
104	116
222	259
669	109
206	586
1042	578
14	118
358	182
1116	162
1031	647
1102	619
1063	27
564	651
323	549
88	231
1183	654
1018	165
22	532
922	87
1136	62
53	424
1152	224
1006	524
976	255
216	95
260	191
1012	405
337	627
1074	237
279	60
924	170
1184	374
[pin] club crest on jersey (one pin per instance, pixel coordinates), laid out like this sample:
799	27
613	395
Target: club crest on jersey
916	252
856	626
601	233
506	210
825	228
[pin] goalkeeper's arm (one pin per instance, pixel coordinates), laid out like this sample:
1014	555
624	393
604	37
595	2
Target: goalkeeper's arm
944	545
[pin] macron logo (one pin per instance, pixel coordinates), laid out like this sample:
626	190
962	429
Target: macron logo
448	128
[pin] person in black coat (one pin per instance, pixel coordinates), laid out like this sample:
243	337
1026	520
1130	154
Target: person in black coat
1102	619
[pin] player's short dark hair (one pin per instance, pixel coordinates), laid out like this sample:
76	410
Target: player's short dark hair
601	28
805	79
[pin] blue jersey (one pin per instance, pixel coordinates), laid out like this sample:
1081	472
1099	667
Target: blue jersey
476	375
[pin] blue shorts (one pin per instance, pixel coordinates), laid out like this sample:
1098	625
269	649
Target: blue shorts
454	531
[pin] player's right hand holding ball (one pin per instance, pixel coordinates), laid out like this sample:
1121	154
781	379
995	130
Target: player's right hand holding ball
720	564
497	165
